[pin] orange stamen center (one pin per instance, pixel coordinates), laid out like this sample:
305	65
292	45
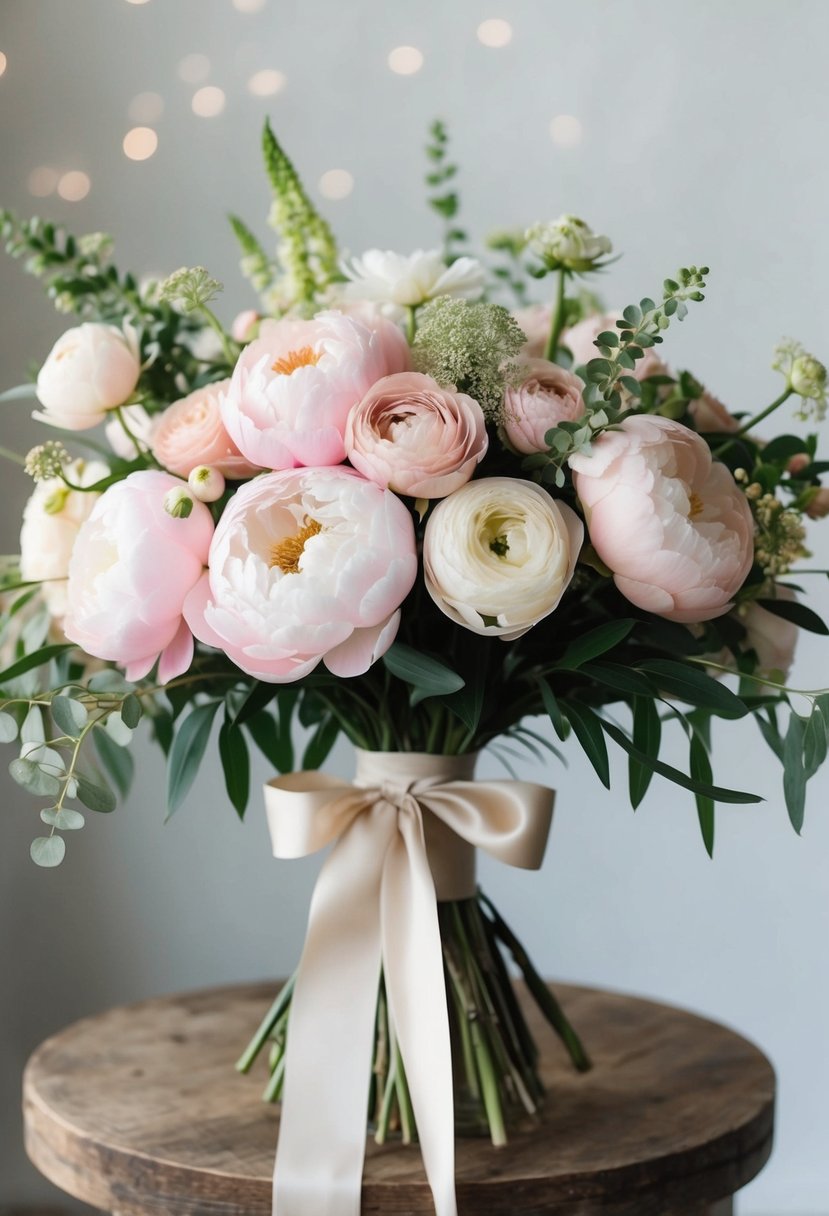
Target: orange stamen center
287	552
697	505
305	356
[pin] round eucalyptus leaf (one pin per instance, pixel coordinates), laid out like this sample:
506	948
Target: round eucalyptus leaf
70	716
8	728
117	730
33	779
67	819
48	850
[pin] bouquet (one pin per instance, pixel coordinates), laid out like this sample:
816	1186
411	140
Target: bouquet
401	501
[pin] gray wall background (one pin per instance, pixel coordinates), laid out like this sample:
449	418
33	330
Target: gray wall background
704	141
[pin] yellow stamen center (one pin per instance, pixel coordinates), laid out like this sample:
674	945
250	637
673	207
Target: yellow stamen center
305	356
287	552
697	505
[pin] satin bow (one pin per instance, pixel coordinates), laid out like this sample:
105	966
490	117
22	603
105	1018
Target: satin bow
375	904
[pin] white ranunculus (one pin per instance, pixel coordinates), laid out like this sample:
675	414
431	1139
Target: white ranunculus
51	520
91	369
498	555
569	242
141	425
410	280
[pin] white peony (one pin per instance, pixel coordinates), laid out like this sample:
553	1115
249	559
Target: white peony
91	369
498	555
51	521
410	280
141	425
569	242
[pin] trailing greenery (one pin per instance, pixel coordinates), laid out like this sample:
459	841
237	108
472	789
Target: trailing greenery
443	197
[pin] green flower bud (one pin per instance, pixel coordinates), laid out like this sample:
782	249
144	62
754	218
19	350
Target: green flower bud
808	376
178	503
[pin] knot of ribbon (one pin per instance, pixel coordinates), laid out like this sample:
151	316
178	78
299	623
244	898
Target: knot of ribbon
375	906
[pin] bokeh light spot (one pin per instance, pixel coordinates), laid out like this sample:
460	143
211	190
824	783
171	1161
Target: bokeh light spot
495	32
405	60
140	143
336	183
266	82
566	131
74	185
208	102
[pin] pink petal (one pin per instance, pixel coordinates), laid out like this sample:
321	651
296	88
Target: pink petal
365	646
177	657
138	668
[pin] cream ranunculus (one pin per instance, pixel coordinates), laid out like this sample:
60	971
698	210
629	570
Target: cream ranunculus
413	279
498	555
568	242
51	521
91	369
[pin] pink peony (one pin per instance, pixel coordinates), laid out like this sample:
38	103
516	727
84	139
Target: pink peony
536	321
670	523
306	565
579	339
190	433
546	396
131	567
772	638
293	387
710	415
415	437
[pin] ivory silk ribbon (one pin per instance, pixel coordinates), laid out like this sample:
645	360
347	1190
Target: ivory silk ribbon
375	903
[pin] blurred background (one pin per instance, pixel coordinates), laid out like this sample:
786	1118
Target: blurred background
688	133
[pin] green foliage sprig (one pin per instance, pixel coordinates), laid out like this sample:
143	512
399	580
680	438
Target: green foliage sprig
442	197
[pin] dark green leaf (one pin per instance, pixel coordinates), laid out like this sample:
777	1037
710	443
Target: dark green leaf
620	679
794	774
260	695
468	702
814	742
587	727
771	734
429	676
798	614
593	643
321	742
647	736
783	448
118	763
552	707
700	767
233	752
718	793
186	753
692	685
30	661
95	797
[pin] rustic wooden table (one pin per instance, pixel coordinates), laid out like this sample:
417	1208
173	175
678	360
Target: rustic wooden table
138	1111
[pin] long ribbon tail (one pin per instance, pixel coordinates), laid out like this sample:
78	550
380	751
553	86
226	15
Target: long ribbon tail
322	1137
413	967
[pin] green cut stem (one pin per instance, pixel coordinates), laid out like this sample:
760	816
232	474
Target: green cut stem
557	324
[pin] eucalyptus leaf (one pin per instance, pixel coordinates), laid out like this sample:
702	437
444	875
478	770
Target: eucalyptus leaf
48	851
131	711
700	768
8	728
118	730
32	730
693	686
21	392
814	742
95	797
797	613
118	763
647	737
67	819
70	716
33	779
794	774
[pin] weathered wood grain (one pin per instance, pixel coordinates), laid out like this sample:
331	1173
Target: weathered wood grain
138	1111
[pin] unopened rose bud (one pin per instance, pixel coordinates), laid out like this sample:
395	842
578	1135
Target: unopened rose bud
818	508
178	503
206	483
798	463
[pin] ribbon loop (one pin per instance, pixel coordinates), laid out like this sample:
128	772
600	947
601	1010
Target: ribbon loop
405	833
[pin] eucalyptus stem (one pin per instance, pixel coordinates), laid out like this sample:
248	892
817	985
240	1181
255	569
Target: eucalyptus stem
752	422
559	312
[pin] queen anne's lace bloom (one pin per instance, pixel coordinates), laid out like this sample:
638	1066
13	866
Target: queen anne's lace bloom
306	565
671	524
413	279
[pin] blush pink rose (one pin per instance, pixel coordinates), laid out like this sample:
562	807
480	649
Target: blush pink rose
132	565
306	565
292	387
580	338
547	395
415	437
190	433
671	524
